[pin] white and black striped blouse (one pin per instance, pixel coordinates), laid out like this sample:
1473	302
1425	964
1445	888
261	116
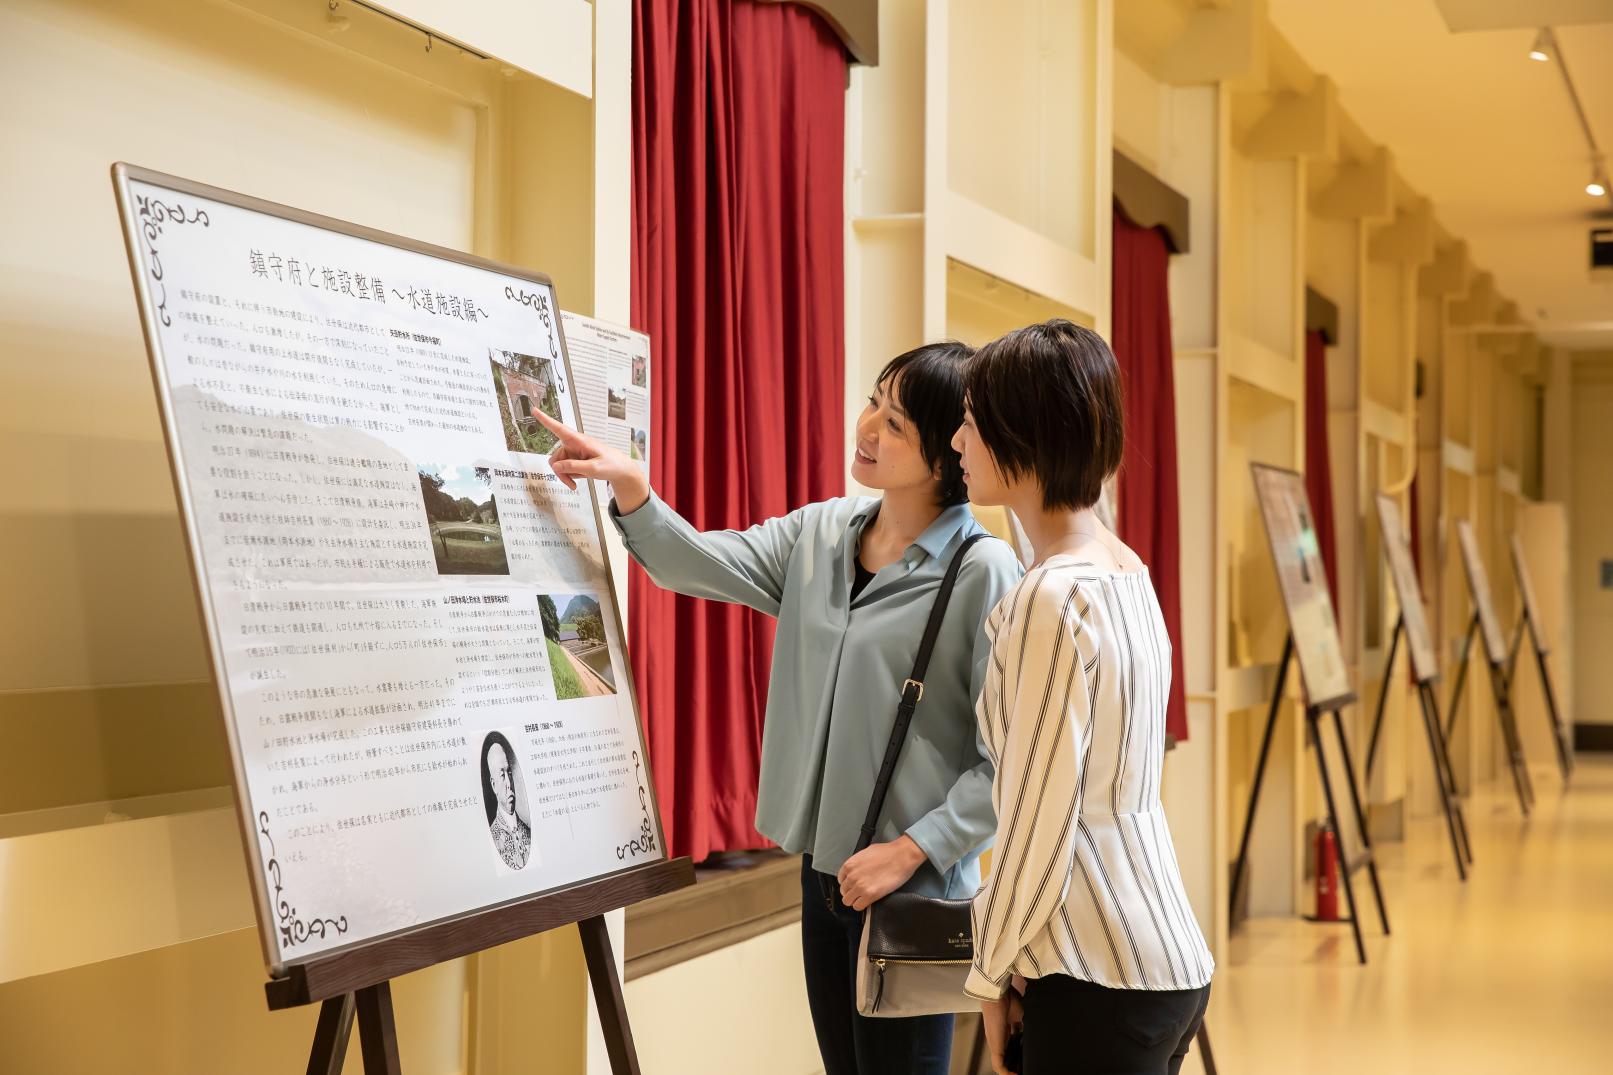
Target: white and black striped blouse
1084	880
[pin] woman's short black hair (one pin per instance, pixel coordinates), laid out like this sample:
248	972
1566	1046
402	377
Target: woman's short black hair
1046	400
489	797
930	392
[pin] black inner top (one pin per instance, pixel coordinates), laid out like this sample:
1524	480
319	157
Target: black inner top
860	583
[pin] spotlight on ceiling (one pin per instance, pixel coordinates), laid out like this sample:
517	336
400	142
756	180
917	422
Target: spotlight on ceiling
1541	49
1596	188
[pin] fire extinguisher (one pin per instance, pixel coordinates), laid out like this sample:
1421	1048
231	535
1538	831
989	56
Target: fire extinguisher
1327	886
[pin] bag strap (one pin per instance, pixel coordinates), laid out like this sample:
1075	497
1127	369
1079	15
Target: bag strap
912	694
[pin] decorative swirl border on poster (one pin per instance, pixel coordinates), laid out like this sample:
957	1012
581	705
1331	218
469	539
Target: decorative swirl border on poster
154	213
644	842
293	929
539	304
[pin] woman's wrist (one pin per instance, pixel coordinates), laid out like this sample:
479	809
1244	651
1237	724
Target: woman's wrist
631	494
916	855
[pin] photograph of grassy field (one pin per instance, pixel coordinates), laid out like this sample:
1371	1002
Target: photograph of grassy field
579	657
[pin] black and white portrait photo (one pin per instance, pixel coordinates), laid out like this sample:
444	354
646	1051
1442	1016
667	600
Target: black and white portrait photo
504	795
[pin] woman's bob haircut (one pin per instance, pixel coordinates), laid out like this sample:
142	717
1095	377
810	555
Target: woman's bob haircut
1046	401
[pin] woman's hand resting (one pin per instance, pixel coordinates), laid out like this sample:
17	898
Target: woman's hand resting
1001	1018
580	456
875	872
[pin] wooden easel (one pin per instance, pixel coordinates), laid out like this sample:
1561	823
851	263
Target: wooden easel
1530	617
1438	752
1565	758
1501	690
356	982
1314	719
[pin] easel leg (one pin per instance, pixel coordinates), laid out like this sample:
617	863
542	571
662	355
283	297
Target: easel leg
1431	706
1383	694
1203	1039
1313	719
1509	739
1565	760
377	1032
1260	775
1360	817
596	950
331	1035
1461	677
1446	799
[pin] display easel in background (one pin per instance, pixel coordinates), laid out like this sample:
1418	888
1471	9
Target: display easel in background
1313	634
1412	623
1485	623
1530	616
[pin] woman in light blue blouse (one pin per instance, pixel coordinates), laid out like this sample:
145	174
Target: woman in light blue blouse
851	581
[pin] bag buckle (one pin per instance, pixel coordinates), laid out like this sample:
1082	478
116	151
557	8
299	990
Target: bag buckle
914	683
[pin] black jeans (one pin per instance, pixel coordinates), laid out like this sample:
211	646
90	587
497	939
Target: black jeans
852	1044
1078	1028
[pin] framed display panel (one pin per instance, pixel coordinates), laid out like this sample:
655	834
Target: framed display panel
1291	534
1413	614
1526	588
412	623
1478	586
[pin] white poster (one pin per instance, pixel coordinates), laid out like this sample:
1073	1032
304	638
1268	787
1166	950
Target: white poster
1478	585
413	629
1414	616
611	365
1526	588
1291	529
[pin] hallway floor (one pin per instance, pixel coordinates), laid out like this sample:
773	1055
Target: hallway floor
1511	973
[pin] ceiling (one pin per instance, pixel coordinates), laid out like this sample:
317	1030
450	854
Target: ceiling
1485	132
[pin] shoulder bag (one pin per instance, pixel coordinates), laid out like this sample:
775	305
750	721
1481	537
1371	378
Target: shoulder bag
916	950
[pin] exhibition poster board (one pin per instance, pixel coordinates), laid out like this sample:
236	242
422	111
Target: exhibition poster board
1526	587
1478	585
611	367
1291	530
412	624
1413	613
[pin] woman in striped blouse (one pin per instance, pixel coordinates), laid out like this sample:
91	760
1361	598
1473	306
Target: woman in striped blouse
1085	911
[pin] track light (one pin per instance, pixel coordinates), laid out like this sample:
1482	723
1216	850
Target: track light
1541	49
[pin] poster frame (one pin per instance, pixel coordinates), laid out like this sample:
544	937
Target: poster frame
1346	697
1397	544
581	898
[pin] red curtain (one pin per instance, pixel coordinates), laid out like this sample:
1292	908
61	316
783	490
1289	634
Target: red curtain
1318	468
738	277
1148	513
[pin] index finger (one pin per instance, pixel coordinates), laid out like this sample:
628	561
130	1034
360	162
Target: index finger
568	436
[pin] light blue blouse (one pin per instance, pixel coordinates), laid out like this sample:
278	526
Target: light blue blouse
838	670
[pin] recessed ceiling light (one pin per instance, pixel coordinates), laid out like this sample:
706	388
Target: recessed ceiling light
1541	49
1595	188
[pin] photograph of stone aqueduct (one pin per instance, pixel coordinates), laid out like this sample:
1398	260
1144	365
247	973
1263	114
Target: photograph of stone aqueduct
524	386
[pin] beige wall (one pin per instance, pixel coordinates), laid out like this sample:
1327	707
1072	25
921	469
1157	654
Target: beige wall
142	928
738	1009
104	686
1591	537
90	543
